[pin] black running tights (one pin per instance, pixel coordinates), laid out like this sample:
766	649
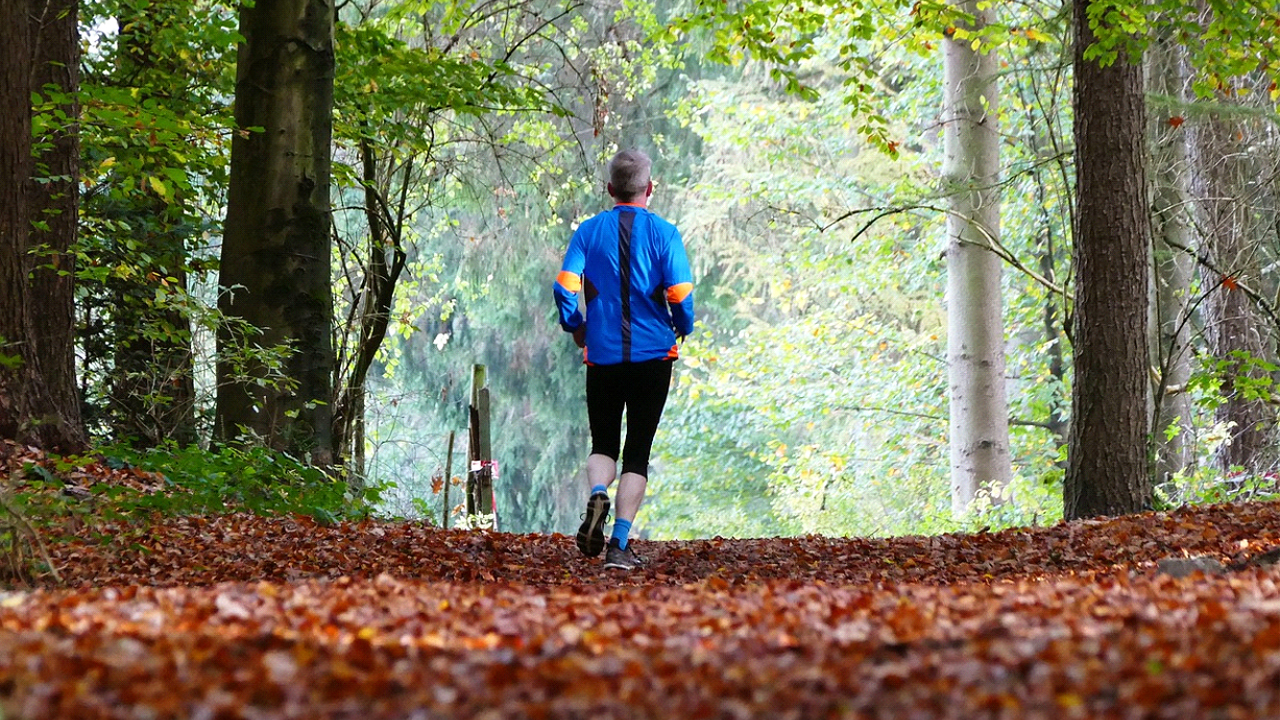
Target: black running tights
640	388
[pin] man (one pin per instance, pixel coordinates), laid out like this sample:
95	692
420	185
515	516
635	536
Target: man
630	265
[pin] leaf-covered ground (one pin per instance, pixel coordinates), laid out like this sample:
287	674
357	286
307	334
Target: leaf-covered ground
247	617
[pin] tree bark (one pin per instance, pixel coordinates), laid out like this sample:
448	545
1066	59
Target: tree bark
1174	269
975	328
1107	466
28	411
275	269
1221	170
55	207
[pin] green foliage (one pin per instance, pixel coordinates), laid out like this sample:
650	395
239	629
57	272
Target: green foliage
22	552
1025	502
812	398
7	361
155	134
1206	486
223	479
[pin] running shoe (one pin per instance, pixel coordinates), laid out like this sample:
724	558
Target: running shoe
620	558
591	532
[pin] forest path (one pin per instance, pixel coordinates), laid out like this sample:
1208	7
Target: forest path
246	617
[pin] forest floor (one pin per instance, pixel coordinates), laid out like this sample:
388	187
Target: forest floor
238	616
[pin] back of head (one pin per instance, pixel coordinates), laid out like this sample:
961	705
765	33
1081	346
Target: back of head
629	175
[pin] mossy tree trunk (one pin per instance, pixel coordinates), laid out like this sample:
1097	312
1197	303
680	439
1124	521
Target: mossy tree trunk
275	266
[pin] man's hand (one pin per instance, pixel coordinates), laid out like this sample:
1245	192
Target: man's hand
580	335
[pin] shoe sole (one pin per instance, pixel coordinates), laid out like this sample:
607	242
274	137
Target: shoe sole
618	566
591	532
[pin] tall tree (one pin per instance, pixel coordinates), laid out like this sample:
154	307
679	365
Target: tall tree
29	412
55	200
1222	171
975	328
1107	467
370	309
1174	265
275	270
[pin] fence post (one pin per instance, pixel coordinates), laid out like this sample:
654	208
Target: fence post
448	476
480	451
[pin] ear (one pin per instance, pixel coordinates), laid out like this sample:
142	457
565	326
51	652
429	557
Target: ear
648	192
609	187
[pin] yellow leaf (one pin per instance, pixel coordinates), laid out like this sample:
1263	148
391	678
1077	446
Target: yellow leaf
158	185
1070	700
106	164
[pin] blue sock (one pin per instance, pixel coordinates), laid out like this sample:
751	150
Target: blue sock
621	529
598	489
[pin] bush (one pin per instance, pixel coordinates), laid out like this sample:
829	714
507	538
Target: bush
118	482
239	479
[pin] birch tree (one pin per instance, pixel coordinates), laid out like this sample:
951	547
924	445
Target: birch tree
975	329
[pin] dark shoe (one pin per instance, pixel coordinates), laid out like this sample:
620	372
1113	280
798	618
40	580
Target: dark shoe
619	558
591	532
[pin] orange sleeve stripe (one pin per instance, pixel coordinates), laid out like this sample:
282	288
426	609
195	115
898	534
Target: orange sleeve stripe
569	281
677	293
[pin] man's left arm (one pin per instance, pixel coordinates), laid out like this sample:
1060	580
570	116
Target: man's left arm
679	281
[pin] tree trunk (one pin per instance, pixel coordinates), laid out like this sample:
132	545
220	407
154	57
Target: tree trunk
1107	468
275	268
975	328
55	205
1221	171
28	411
1174	270
370	311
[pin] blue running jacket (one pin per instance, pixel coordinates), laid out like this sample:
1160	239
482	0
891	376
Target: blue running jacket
632	268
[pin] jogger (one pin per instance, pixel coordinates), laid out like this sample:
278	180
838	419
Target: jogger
630	265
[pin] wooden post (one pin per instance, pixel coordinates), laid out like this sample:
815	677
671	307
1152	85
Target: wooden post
448	476
484	481
480	451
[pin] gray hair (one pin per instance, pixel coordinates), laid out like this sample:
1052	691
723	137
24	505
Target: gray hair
629	175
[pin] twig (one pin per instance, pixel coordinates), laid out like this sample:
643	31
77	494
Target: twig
22	527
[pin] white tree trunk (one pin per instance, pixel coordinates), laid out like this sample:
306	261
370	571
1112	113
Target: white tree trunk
975	335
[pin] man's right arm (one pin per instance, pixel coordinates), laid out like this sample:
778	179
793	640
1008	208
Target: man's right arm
568	284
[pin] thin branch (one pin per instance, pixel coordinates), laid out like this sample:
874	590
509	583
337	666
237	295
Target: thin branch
1249	292
889	411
